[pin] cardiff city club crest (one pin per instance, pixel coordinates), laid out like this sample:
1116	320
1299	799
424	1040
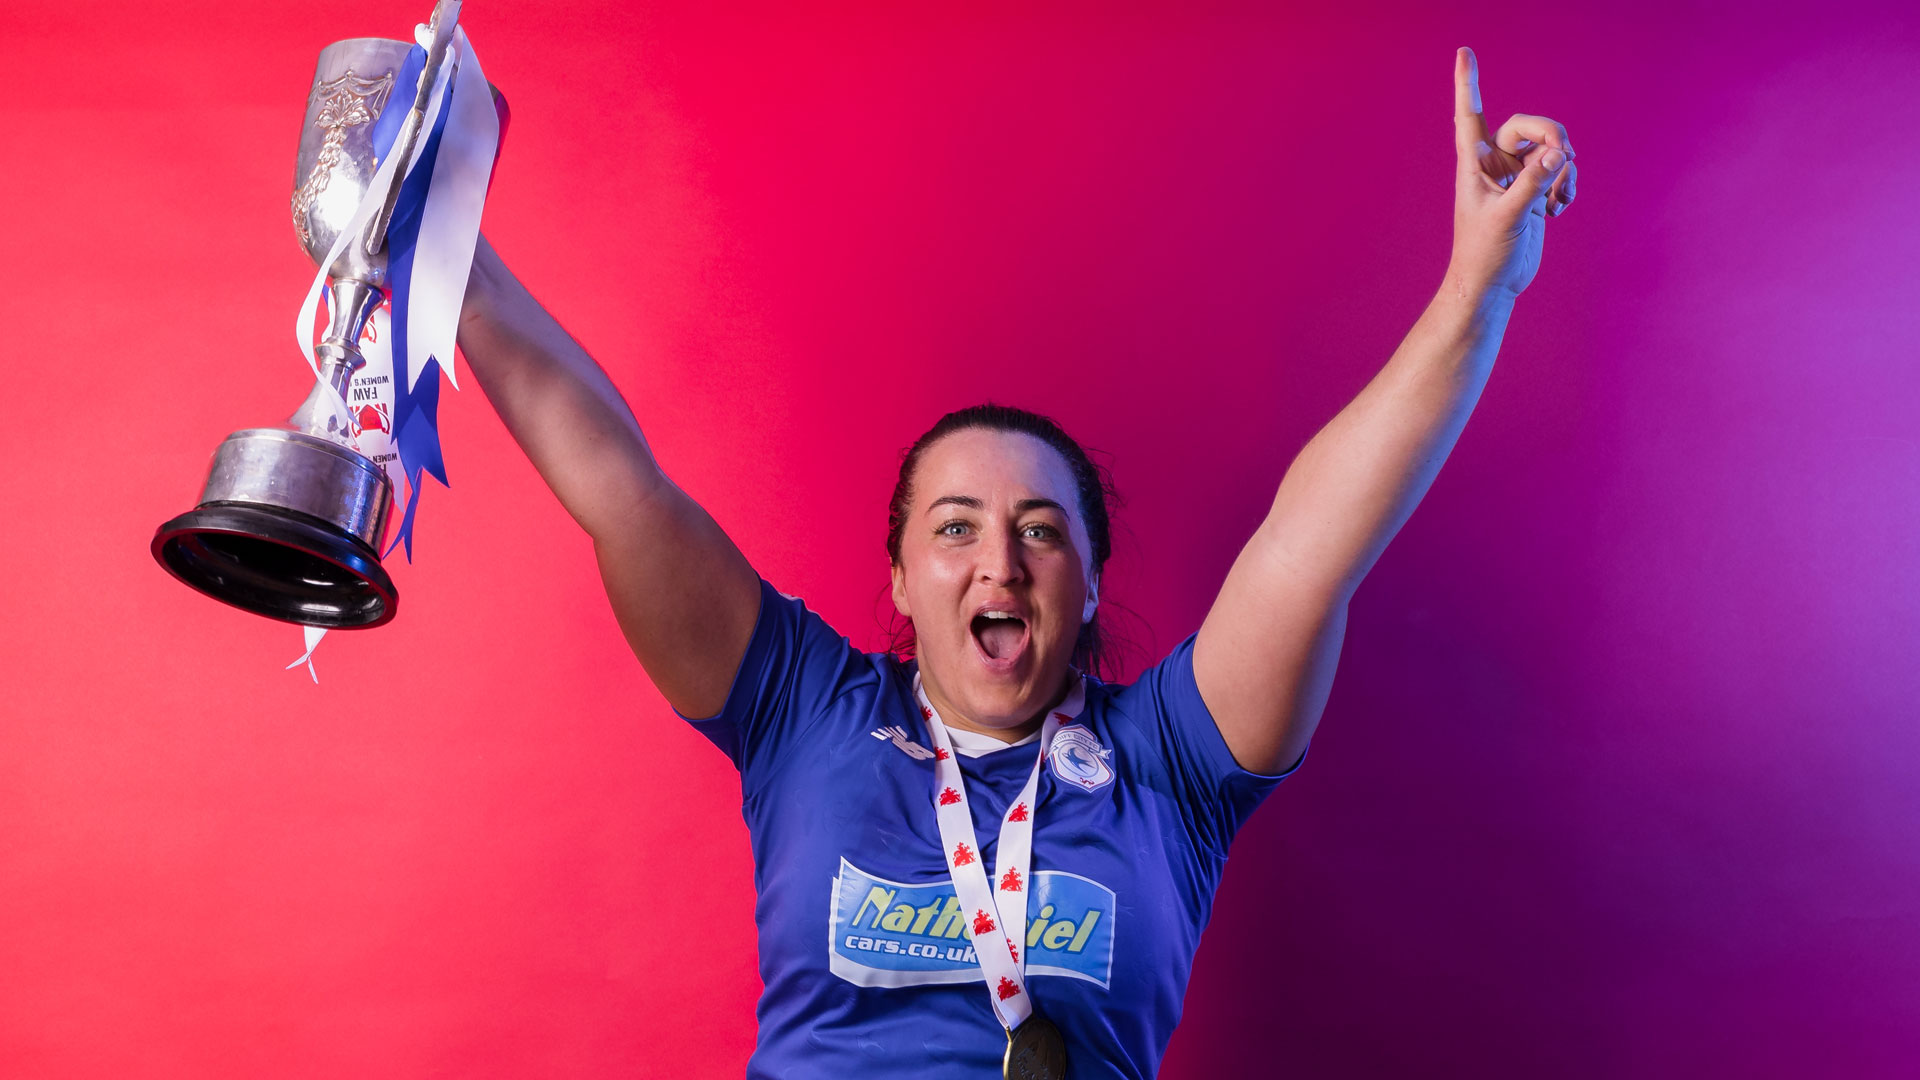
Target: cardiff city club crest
1079	759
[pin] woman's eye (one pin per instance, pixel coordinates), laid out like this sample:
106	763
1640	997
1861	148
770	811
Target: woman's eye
953	528
1040	532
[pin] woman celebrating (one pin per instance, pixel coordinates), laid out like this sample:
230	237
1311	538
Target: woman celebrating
981	857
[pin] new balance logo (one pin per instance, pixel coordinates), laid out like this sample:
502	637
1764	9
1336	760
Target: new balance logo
898	737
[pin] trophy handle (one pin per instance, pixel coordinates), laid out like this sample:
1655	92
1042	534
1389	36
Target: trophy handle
445	14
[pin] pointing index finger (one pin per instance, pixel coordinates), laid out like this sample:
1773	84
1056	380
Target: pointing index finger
1466	81
1466	96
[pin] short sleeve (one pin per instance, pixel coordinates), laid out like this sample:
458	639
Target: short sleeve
795	665
1215	793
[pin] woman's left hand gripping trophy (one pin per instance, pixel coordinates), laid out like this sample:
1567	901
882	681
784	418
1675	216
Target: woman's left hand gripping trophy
291	521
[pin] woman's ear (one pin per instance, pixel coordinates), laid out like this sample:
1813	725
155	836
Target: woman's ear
1093	600
900	592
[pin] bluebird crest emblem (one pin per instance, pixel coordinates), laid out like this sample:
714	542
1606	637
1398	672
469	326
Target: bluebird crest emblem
1077	758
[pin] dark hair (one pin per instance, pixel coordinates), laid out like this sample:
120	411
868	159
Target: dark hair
1090	479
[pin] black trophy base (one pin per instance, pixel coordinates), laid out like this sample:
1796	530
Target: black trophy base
277	563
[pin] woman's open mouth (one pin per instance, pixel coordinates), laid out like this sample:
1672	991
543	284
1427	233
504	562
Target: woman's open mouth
1001	637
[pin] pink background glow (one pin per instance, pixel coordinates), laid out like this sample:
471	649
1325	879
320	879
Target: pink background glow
1619	775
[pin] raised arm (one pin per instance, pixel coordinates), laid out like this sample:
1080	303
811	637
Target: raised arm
684	595
1266	654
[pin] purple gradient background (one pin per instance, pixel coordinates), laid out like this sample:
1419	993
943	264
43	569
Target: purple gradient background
1619	776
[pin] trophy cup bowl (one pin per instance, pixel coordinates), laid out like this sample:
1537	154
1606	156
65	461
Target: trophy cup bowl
291	518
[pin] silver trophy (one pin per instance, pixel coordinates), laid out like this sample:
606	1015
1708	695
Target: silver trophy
291	520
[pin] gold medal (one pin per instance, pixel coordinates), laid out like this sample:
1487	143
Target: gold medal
1035	1051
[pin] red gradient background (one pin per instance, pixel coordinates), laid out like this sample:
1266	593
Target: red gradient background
1619	774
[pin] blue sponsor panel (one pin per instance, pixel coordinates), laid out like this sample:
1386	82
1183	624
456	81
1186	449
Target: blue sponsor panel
885	933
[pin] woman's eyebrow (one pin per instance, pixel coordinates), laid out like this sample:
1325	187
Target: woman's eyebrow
972	503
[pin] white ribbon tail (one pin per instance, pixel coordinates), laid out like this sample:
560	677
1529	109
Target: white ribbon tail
450	220
313	636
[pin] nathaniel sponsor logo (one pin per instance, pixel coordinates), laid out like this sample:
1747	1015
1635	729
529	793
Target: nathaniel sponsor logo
885	933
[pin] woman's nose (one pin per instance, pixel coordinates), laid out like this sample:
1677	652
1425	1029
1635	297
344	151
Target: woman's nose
1000	561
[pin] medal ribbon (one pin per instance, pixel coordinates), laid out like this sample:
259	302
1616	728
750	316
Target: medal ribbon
998	919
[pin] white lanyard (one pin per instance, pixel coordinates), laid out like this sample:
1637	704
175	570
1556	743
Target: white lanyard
996	914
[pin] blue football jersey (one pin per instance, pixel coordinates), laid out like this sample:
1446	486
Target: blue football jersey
864	951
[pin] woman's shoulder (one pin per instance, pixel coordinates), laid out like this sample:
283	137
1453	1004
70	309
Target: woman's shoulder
1167	683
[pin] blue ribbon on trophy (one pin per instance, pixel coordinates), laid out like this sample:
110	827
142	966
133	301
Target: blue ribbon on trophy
416	388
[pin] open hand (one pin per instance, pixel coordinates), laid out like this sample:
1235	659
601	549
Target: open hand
1506	186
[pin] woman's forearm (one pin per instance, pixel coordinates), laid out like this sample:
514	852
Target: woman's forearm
1357	481
554	399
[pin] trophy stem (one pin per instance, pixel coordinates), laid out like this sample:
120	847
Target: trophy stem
352	303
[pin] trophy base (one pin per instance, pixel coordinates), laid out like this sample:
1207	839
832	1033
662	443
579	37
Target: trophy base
288	527
279	563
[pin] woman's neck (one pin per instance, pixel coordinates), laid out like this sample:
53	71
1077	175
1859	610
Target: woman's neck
954	718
